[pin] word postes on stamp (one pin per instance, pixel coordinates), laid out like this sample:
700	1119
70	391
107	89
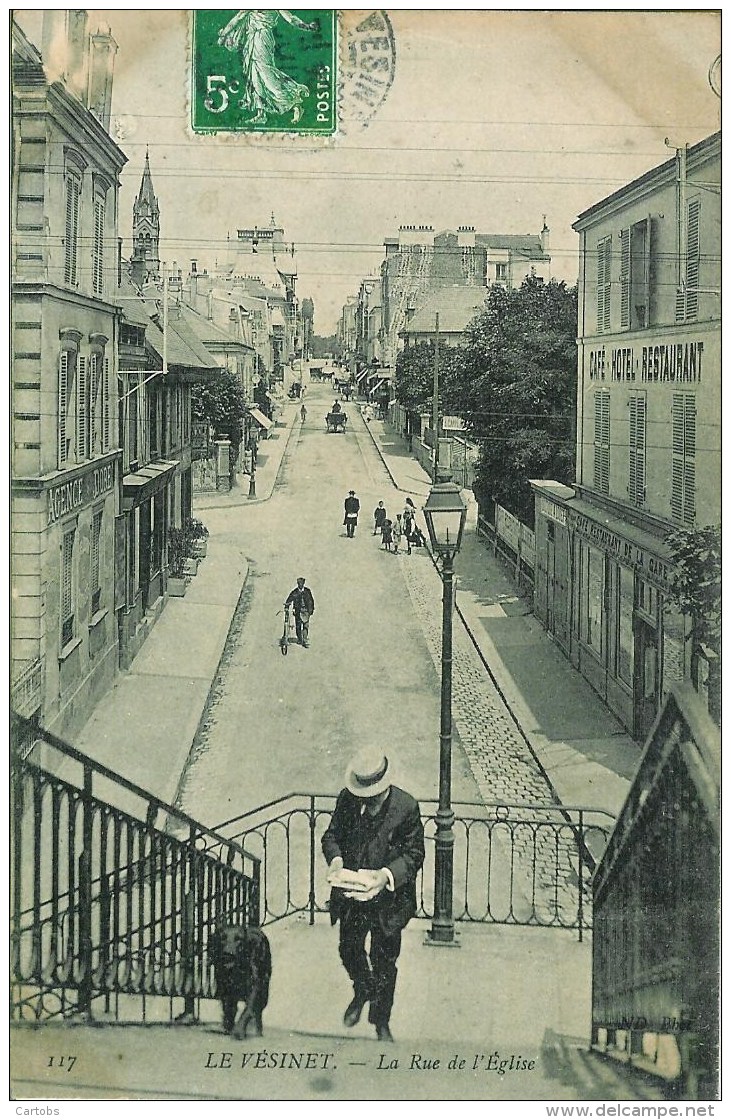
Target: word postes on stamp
270	70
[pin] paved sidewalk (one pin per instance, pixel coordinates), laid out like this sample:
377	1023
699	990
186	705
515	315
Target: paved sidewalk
269	459
586	755
144	727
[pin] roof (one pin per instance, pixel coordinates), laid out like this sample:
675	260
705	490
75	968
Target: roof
206	331
135	309
184	350
703	147
456	306
527	244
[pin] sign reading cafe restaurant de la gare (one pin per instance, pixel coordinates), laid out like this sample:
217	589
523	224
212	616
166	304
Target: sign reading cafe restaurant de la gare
78	492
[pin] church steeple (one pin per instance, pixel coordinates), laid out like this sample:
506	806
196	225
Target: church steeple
146	230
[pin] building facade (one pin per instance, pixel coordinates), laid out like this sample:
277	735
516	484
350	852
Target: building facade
65	441
648	435
419	261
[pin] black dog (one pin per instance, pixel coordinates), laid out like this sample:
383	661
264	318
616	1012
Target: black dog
242	964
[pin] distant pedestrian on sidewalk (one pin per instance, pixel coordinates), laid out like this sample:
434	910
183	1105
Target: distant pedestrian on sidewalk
374	847
397	532
302	601
387	534
379	516
352	507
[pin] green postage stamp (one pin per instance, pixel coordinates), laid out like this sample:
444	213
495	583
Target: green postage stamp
270	70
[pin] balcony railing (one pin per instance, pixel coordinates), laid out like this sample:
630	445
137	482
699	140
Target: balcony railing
114	893
26	691
522	865
656	907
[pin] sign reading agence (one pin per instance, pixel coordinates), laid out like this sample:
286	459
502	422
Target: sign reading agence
70	496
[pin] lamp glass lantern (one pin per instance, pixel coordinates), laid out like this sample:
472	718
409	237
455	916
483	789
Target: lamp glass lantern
445	513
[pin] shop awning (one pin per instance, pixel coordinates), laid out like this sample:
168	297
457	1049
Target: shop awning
143	483
363	373
379	383
262	420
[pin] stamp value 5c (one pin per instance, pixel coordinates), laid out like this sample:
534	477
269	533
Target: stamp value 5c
270	70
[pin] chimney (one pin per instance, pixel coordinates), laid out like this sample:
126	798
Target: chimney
194	267
101	70
545	236
54	41
77	74
210	305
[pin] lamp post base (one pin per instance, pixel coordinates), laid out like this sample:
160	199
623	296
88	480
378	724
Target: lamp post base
437	943
252	487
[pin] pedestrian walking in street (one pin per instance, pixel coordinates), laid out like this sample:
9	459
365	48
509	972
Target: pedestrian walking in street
302	602
374	847
303	414
397	532
387	534
352	506
408	522
379	516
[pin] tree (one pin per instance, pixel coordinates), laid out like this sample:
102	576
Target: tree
696	589
515	386
414	379
219	400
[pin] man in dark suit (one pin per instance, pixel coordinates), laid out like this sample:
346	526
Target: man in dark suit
303	602
352	507
374	847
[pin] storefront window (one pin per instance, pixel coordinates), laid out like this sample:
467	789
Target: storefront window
673	647
592	595
625	631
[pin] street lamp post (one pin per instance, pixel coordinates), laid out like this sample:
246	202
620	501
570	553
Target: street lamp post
445	514
252	479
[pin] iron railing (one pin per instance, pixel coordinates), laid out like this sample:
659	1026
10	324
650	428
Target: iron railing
522	865
26	690
656	907
114	893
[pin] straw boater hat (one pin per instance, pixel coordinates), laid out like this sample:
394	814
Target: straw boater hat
369	773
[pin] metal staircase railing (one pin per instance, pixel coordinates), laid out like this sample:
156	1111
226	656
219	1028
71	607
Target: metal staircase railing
520	865
114	893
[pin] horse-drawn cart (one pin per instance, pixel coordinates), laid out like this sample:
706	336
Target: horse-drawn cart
336	421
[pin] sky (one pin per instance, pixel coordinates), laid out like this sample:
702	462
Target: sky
494	119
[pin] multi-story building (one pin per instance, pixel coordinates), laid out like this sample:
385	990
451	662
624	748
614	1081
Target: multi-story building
648	435
262	265
66	452
160	356
419	261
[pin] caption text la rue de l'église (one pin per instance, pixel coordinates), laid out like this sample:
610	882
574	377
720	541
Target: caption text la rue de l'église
325	1060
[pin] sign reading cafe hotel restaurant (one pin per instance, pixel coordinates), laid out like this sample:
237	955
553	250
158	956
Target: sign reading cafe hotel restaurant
675	361
79	492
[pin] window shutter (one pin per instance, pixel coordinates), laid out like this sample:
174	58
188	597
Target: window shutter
601	441
632	488
624	278
106	418
73	191
637	429
648	272
82	418
682	497
98	257
63	404
692	271
93	418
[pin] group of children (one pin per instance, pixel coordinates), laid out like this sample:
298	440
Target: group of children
403	528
